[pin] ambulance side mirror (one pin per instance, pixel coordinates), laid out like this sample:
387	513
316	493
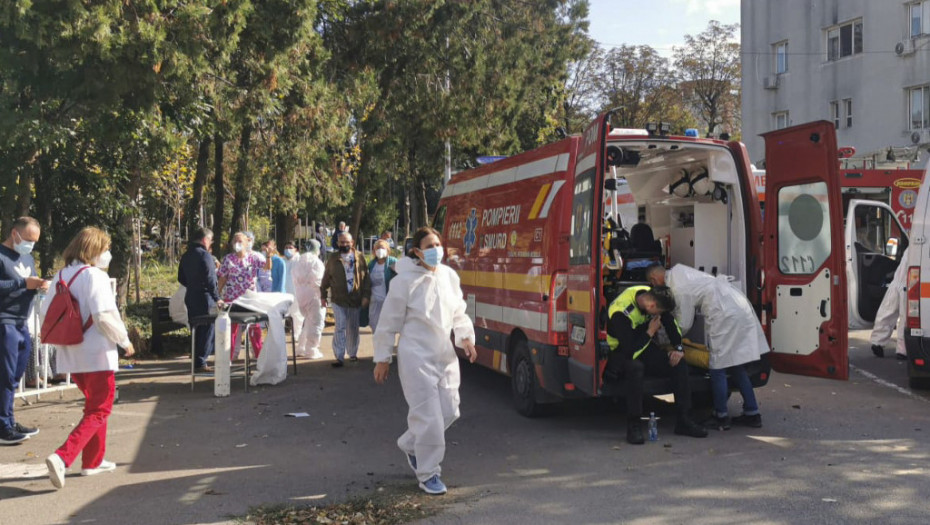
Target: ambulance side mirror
891	247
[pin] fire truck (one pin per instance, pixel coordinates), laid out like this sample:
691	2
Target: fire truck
542	245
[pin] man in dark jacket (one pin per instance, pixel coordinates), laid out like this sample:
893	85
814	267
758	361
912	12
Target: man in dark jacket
634	318
197	272
18	287
346	283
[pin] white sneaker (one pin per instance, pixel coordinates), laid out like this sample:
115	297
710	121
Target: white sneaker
56	470
105	466
316	354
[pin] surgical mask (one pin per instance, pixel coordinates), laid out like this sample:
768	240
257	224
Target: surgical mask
432	256
104	260
238	247
289	253
381	253
345	249
23	247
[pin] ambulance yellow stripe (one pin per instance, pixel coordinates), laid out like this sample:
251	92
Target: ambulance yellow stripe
540	199
496	361
579	301
515	282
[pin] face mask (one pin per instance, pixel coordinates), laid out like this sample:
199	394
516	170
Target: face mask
23	247
345	249
381	253
289	253
432	256
238	247
104	260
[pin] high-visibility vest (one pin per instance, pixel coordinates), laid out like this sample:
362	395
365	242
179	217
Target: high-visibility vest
625	303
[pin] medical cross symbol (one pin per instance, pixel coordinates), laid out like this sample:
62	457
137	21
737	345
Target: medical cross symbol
471	225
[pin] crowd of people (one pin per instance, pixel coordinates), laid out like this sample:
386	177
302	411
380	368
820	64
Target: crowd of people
415	301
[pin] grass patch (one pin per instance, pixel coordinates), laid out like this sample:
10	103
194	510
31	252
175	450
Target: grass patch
382	509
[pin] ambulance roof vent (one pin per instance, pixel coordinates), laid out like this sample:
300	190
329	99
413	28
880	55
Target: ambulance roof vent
629	131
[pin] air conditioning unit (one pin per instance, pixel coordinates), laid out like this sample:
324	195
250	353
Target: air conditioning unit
904	48
920	137
770	82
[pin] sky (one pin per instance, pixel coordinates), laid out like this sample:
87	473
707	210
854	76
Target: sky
661	24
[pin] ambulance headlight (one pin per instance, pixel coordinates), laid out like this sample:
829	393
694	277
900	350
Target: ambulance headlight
682	186
701	183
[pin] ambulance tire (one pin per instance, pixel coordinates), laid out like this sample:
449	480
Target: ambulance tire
524	384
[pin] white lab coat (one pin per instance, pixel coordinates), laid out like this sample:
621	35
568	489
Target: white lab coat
294	311
308	275
271	366
423	308
732	329
891	311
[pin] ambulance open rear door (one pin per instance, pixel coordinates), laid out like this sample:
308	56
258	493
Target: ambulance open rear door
804	287
584	271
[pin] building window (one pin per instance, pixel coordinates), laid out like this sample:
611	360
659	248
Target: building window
844	40
781	119
835	113
847	105
919	110
781	57
920	18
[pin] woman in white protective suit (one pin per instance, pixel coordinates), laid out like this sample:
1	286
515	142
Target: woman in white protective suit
891	312
308	274
733	334
424	305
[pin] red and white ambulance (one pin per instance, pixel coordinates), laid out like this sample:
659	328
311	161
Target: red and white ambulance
539	241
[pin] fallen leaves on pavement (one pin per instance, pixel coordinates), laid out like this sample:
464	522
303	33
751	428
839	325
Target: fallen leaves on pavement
403	509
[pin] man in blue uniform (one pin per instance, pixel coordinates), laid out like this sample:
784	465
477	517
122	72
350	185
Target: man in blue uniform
197	272
18	286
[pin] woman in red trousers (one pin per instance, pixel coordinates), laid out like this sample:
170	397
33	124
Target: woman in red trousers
92	362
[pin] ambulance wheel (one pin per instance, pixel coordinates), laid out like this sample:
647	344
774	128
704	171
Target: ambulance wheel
524	383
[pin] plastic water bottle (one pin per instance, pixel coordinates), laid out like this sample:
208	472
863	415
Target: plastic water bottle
653	427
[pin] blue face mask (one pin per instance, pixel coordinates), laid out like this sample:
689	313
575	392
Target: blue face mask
23	247
432	256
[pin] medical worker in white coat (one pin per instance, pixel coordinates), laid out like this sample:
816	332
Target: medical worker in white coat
424	306
732	331
308	274
891	313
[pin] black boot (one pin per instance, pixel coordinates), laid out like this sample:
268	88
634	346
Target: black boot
634	433
685	427
878	350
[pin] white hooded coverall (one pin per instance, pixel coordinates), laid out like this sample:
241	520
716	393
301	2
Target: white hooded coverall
308	275
892	309
424	307
297	318
732	329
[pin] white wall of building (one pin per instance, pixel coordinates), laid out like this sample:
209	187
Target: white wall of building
877	79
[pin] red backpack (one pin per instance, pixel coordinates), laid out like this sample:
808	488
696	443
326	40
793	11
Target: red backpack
63	322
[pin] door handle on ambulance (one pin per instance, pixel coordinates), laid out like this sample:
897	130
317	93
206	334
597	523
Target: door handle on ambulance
823	308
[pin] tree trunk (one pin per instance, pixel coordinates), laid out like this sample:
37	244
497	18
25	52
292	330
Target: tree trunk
408	230
241	199
44	215
194	215
24	199
285	229
358	204
219	193
121	242
424	205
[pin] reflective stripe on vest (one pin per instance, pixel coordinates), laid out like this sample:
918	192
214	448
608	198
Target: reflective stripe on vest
625	303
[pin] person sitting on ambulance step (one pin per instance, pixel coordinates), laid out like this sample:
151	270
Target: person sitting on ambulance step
634	318
733	335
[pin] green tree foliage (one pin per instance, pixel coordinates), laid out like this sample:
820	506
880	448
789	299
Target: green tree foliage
709	72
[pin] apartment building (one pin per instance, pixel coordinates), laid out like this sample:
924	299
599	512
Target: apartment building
862	64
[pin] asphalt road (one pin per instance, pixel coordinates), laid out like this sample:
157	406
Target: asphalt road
829	452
